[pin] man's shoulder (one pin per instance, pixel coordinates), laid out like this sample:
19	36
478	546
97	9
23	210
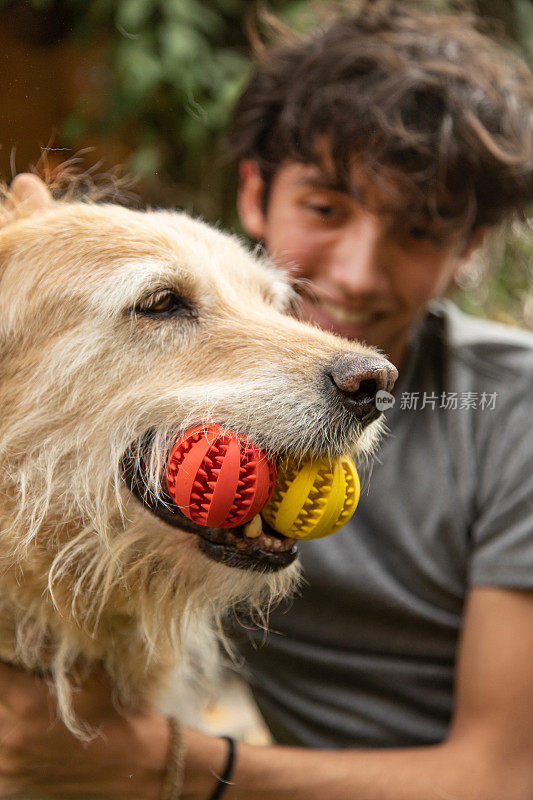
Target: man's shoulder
485	349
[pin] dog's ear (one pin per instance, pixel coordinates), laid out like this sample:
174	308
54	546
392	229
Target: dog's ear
29	194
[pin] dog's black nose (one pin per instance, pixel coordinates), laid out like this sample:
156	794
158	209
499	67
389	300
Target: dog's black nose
357	379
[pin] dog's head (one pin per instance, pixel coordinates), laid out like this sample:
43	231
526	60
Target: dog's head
119	330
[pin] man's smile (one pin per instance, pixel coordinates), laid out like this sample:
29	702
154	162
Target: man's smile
348	322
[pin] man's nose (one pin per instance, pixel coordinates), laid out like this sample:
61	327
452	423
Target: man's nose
357	258
357	379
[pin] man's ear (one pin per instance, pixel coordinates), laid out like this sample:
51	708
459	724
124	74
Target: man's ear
29	194
476	240
250	198
470	246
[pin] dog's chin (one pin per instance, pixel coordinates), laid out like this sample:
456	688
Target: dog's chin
268	552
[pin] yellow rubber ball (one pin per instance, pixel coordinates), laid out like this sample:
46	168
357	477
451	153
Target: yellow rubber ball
313	499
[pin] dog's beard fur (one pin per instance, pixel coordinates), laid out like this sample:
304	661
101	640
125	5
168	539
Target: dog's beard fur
89	575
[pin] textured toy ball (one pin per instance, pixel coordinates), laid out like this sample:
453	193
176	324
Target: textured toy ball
314	499
218	478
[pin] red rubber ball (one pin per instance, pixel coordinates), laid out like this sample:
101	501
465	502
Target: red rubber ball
218	478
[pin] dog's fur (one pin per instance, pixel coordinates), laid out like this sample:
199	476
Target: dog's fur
88	575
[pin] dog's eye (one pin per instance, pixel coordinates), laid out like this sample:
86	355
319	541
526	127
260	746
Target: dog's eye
165	303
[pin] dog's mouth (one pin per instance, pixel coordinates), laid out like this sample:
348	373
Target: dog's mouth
255	546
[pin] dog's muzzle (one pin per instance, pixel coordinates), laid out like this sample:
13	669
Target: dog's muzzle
353	381
266	551
357	379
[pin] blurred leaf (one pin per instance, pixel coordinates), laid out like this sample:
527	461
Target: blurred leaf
146	160
181	46
300	15
524	13
193	13
138	68
229	6
195	136
131	16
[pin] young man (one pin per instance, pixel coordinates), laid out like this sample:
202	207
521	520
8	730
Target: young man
374	157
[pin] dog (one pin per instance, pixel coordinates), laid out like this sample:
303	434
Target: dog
119	330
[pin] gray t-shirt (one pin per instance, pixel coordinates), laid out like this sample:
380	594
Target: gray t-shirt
364	656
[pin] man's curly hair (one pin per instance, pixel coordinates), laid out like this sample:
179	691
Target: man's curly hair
426	99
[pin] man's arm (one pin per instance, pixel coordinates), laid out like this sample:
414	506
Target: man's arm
487	756
40	758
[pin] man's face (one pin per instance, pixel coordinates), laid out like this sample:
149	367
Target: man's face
370	278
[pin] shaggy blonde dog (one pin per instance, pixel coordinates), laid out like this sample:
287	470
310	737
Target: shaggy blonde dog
119	330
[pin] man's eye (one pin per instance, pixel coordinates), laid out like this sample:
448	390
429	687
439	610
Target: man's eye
422	234
165	303
323	210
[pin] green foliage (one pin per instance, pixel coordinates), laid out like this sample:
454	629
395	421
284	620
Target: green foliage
175	68
498	283
174	71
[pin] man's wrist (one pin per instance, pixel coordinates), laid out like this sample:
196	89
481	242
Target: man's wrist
205	760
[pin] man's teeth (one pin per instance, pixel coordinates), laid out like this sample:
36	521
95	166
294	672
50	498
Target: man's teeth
344	316
254	528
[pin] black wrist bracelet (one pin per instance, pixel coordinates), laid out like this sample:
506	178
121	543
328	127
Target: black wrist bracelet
225	778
